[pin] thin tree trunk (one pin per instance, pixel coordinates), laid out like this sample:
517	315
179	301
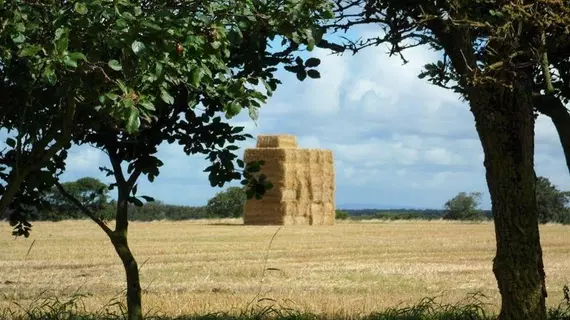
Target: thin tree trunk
134	300
119	240
505	124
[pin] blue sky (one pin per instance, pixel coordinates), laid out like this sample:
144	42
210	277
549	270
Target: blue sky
397	140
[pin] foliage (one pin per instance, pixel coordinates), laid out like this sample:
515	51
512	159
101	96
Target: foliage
472	307
105	71
126	77
341	215
228	203
464	207
551	202
91	192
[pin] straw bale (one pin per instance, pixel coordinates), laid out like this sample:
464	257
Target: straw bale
276	141
297	220
304	184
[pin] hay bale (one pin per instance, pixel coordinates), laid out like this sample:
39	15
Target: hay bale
276	141
303	180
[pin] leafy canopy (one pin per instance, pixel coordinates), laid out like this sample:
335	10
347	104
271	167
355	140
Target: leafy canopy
464	206
126	76
227	203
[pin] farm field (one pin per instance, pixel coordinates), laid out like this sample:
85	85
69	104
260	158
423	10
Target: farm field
207	266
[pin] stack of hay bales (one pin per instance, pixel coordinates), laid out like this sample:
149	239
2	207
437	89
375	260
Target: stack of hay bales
303	184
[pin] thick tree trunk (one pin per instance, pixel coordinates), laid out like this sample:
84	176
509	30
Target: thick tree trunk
119	240
505	124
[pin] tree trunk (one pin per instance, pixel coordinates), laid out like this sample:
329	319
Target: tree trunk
119	240
505	124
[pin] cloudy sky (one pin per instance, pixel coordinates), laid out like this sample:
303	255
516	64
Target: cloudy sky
397	140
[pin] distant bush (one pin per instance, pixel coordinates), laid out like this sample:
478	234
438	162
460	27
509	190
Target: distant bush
464	206
227	203
341	215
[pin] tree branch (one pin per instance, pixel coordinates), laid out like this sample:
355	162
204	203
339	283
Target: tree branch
133	178
552	107
116	164
84	209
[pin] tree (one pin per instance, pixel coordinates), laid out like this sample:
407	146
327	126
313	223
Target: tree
496	56
91	192
228	203
464	206
133	76
341	215
551	202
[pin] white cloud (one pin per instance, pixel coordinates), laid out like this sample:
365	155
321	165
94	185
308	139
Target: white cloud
397	140
83	158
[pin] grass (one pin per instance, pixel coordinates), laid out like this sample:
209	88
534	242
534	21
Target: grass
219	269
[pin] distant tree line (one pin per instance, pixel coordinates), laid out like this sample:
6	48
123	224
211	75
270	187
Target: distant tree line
552	207
94	194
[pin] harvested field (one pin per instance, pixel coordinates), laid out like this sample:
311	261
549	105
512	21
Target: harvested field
204	266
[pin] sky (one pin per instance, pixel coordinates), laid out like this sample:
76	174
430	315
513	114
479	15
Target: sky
398	141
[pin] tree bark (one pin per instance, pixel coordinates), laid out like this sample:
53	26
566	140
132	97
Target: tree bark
505	124
119	240
120	236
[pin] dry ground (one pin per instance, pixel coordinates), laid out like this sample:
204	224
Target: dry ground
201	266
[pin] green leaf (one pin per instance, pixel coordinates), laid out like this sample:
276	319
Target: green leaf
310	44
112	96
267	87
20	27
49	75
197	74
77	56
496	13
115	65
314	74
253	113
133	122
301	75
148	105
29	51
136	201
122	86
158	68
216	44
69	62
312	62
151	25
62	43
137	47
233	109
80	8
166	97
147	198
11	142
58	33
295	37
18	38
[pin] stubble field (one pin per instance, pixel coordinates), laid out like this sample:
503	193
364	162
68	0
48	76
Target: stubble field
208	266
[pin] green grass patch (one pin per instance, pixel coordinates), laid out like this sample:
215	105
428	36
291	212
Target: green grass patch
72	308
